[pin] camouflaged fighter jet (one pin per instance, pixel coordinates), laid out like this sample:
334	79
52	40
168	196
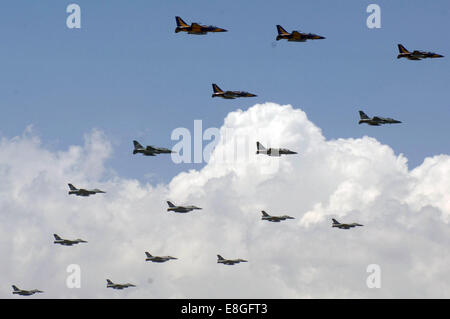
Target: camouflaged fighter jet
275	219
110	284
272	151
157	259
195	28
376	120
84	192
67	242
229	95
180	209
416	55
296	36
17	291
221	260
344	226
150	150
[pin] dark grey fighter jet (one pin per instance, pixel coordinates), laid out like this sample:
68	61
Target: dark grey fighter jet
180	209
272	151
112	285
221	260
67	242
84	192
157	259
376	120
150	150
229	95
344	226
296	36
416	55
17	291
275	219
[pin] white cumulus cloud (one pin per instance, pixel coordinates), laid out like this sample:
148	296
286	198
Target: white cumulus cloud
405	214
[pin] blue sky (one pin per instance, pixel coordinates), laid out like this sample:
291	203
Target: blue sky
128	74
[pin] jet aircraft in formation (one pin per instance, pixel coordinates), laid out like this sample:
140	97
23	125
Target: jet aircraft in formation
110	284
21	292
272	151
67	242
275	219
224	261
150	150
158	259
416	54
344	226
84	192
180	209
230	95
376	120
296	36
195	28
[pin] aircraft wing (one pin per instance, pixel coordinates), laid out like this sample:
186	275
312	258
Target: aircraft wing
196	27
297	34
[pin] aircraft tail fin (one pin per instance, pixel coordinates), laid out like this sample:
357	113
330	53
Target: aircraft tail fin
72	188
282	31
259	147
57	237
264	214
335	221
109	282
220	257
137	145
216	88
180	22
14	287
148	254
170	204
402	49
363	115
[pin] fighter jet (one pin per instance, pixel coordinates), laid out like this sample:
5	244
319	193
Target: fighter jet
84	192
375	121
180	209
149	150
416	55
272	151
275	219
344	226
112	285
296	36
67	242
158	259
17	291
229	95
221	260
195	28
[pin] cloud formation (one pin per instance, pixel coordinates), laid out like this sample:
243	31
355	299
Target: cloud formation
405	214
